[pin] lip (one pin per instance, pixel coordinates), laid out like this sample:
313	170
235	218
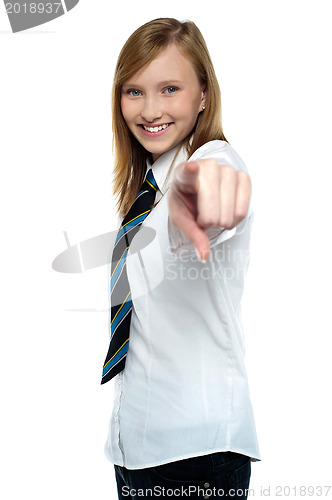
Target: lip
155	134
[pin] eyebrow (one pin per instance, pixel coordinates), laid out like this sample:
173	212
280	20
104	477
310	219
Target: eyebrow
164	82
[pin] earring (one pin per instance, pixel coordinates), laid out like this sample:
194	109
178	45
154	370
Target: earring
203	107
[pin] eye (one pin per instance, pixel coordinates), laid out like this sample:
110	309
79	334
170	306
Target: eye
171	90
134	92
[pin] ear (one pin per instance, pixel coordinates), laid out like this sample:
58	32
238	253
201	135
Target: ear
203	97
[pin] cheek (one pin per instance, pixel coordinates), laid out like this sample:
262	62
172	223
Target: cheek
192	111
191	106
127	111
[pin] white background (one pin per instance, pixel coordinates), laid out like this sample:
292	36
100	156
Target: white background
273	63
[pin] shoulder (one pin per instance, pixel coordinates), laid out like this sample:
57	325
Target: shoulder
221	151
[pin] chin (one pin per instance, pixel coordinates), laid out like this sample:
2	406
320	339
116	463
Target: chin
157	152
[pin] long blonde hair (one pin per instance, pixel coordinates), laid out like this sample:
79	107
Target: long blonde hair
144	45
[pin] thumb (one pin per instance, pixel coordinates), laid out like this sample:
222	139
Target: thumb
185	177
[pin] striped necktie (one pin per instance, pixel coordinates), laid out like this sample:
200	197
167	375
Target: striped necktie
121	303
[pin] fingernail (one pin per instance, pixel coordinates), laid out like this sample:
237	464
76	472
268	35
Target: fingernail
207	255
199	256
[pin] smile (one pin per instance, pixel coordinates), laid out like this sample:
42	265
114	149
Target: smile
156	129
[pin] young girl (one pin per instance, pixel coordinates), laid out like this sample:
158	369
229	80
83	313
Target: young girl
182	418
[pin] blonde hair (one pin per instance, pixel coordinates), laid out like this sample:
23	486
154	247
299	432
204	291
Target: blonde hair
144	45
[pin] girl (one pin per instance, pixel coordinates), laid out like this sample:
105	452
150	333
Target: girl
182	418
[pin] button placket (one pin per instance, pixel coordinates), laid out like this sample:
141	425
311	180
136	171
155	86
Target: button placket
206	485
116	417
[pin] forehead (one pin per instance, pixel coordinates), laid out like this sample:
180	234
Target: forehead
170	64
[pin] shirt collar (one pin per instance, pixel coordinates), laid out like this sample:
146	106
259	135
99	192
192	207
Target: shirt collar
161	166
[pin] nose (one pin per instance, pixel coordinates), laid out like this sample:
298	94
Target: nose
151	109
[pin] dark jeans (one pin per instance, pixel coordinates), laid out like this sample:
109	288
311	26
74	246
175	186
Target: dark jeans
219	475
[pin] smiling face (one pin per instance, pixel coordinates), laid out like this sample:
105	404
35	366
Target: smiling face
160	103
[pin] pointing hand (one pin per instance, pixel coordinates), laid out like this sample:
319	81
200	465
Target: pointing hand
204	194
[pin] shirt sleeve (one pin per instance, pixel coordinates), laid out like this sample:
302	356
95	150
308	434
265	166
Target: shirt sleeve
225	155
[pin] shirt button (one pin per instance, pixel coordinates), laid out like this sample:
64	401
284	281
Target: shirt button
206	497
206	485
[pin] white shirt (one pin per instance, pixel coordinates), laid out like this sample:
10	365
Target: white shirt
184	390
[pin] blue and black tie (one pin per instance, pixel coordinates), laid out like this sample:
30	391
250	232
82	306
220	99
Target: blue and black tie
121	303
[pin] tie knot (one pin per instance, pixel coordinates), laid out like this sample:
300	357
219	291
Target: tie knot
151	181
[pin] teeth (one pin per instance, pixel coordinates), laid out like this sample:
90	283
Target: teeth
156	129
